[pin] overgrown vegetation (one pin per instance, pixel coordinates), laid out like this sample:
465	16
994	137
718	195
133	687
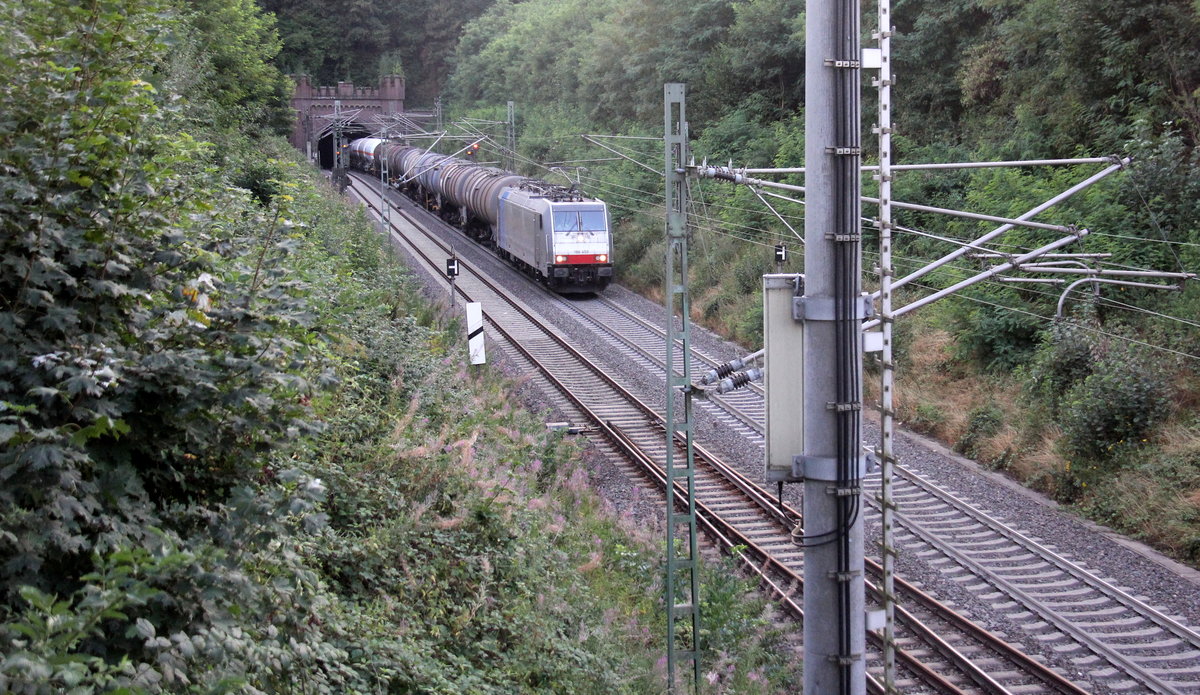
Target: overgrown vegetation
334	40
238	453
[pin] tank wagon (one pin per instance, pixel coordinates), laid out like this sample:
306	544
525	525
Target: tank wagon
554	233
362	154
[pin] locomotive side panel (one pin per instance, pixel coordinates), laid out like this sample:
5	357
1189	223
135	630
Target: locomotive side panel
520	232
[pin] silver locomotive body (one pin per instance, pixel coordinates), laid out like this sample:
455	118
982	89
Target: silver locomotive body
562	238
552	232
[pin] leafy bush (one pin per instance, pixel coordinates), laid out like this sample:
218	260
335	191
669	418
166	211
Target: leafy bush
926	418
1064	358
1113	408
742	649
1155	499
995	336
982	423
174	519
149	339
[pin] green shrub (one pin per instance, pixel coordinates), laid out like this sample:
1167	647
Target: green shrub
983	422
903	333
1064	358
926	418
996	337
1113	409
259	177
740	644
1154	498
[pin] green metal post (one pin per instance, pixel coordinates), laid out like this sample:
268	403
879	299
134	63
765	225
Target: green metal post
683	600
385	205
510	134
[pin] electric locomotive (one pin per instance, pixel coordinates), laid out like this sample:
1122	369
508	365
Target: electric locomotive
555	233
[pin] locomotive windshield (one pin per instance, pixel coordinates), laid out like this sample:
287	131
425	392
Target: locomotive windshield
581	234
580	221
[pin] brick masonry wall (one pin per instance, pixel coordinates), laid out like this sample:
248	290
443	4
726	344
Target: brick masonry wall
310	102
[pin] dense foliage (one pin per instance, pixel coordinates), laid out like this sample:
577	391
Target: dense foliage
360	41
125	309
237	452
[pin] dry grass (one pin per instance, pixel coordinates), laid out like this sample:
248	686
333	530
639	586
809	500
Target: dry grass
1178	439
932	395
1041	459
1181	441
1162	517
935	394
931	350
1003	446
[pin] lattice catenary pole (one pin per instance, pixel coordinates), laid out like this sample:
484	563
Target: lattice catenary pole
510	133
385	205
683	600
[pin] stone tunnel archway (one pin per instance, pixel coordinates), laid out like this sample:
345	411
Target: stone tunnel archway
314	105
324	149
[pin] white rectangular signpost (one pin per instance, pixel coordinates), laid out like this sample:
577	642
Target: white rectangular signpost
475	333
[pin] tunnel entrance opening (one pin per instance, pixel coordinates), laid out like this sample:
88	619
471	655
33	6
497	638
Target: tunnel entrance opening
325	146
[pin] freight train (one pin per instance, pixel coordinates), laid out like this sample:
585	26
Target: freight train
554	233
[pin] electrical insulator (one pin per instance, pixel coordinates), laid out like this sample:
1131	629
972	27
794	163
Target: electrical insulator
739	380
715	375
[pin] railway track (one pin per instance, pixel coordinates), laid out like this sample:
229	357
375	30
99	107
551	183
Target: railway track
1120	641
939	651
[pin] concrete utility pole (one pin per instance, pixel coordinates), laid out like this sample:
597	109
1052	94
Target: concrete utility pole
814	393
833	463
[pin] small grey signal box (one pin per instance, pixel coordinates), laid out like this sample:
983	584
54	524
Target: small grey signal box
783	340
452	267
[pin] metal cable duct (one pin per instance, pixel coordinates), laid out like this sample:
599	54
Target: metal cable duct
846	280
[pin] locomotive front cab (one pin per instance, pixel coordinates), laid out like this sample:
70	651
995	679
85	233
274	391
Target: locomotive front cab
581	247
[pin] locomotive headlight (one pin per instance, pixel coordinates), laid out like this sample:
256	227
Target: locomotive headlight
560	259
602	258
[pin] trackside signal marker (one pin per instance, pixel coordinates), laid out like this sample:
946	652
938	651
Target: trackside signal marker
475	333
